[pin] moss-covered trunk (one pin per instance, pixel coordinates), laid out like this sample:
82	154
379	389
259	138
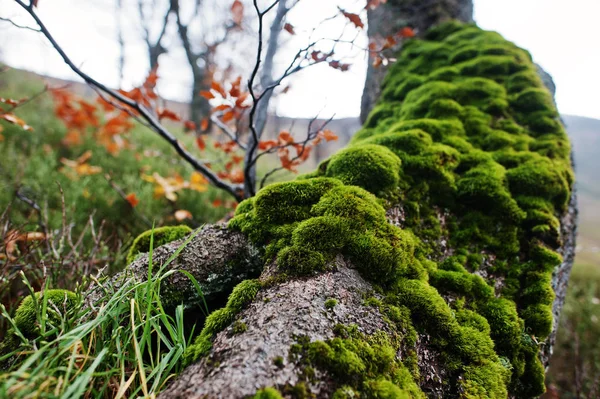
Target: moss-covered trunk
429	258
389	18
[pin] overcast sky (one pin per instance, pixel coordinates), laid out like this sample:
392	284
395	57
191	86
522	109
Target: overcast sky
562	36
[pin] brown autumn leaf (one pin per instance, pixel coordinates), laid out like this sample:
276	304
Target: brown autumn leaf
228	116
168	114
237	12
407	32
328	135
236	176
207	94
200	143
289	28
132	199
354	18
189	125
204	124
15	120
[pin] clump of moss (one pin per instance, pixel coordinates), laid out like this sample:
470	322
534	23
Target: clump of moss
374	168
361	365
29	311
268	393
330	303
160	236
241	296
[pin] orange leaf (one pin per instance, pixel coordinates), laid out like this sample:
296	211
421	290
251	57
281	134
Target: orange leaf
200	143
327	135
239	102
236	176
189	125
289	29
237	12
73	137
228	116
267	144
207	94
389	42
285	138
377	62
14	119
217	203
235	87
204	124
218	88
407	32
222	107
168	114
182	214
132	199
354	18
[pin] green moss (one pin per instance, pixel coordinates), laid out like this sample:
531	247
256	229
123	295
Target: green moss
372	167
268	393
241	296
278	361
28	315
160	236
330	303
239	327
361	365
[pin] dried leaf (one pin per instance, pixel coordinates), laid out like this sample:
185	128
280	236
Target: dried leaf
200	143
328	135
132	199
168	114
354	18
204	124
182	214
289	28
207	94
407	32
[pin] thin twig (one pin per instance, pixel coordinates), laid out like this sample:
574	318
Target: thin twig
19	26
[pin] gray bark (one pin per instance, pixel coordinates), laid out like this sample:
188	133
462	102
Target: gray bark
218	258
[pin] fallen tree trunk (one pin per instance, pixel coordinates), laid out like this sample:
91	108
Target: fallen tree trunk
428	259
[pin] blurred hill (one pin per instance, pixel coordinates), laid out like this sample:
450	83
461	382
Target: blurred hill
585	138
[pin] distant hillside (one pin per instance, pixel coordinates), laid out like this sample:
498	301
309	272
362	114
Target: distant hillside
585	138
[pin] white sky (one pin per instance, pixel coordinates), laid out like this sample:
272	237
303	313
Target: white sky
563	37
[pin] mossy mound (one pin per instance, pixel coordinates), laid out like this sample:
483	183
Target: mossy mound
467	143
29	311
160	236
